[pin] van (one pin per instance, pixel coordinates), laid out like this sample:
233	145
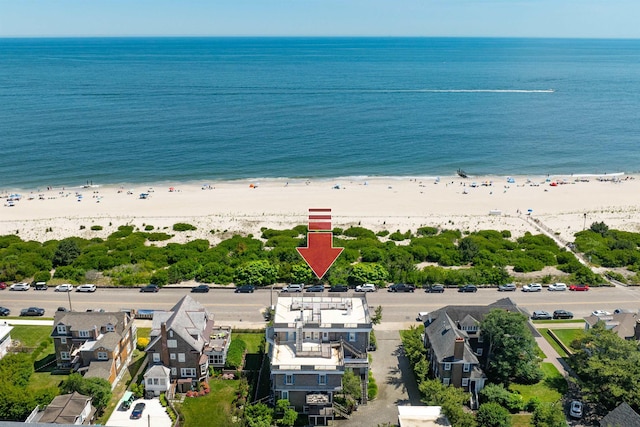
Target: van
294	287
127	400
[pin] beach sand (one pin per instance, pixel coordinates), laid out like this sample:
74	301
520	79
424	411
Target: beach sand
222	209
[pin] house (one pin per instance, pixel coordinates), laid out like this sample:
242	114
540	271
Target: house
157	379
625	325
73	408
96	344
622	416
312	342
186	340
456	350
5	338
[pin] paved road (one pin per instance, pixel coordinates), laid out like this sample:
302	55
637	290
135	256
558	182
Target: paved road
247	309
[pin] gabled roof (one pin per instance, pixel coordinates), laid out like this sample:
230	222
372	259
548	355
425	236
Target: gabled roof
65	409
442	333
109	341
623	324
157	371
188	318
83	321
469	313
622	416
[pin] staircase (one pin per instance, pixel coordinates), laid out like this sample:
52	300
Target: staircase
364	387
353	350
341	411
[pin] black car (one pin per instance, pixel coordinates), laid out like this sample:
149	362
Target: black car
315	288
401	287
150	288
200	289
468	288
562	314
32	311
435	289
4	311
245	289
339	288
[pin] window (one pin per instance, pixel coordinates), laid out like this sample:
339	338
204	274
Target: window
63	340
288	379
64	355
155	381
171	333
284	394
172	356
447	366
102	355
203	369
215	359
466	367
62	329
352	337
480	338
110	328
479	351
188	372
174	371
181	357
163	381
465	382
172	343
322	379
445	381
83	334
149	381
156	357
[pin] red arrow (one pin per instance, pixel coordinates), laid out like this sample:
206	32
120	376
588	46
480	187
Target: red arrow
320	253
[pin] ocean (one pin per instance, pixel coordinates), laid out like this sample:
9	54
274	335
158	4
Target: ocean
146	110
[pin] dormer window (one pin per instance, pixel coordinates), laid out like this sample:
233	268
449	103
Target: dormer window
62	329
110	328
83	334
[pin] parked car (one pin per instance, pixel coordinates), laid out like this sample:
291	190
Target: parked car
622	310
4	311
541	315
435	289
600	313
86	288
150	288
40	286
468	288
576	409
64	288
137	411
127	400
509	287
3	285
339	288
315	288
579	287
533	287
293	287
32	311
200	289
557	287
562	314
367	287
245	289
401	287
64	309
19	287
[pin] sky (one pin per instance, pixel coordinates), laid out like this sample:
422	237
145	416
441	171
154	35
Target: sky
386	18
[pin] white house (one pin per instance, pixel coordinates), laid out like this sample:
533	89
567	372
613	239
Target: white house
5	338
157	379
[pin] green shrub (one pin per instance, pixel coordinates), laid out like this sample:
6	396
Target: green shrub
96	227
235	354
372	387
148	227
181	226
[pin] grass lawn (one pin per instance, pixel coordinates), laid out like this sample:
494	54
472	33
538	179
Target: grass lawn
33	336
545	333
551	322
253	340
568	335
521	420
212	410
550	389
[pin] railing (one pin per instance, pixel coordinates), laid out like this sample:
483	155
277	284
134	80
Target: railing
352	349
341	410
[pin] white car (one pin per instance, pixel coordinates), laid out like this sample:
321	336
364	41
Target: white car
367	287
64	288
600	313
576	409
86	288
294	287
558	287
533	287
19	287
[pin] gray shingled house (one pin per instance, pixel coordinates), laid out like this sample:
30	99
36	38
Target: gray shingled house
622	416
186	340
456	351
93	343
625	325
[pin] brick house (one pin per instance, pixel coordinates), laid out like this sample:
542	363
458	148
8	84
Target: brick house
313	341
94	344
456	350
186	340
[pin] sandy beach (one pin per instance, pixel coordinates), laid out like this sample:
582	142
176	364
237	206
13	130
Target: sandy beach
403	204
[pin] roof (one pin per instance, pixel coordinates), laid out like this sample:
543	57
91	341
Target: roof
422	416
442	333
99	369
109	341
65	408
623	324
84	321
157	371
623	415
5	329
188	318
330	311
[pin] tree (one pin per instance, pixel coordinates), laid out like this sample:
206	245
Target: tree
496	393
377	317
98	388
512	349
260	273
66	252
351	384
288	416
367	273
549	415
258	415
493	415
599	227
301	273
468	249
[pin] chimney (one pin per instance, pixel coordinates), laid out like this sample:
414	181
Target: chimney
458	348
164	347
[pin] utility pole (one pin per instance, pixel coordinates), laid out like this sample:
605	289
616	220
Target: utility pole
584	226
69	298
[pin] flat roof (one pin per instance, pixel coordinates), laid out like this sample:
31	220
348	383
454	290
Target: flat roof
285	356
323	310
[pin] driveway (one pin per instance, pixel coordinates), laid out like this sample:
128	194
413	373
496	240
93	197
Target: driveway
154	415
396	384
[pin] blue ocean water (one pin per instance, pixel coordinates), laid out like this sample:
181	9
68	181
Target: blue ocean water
135	110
